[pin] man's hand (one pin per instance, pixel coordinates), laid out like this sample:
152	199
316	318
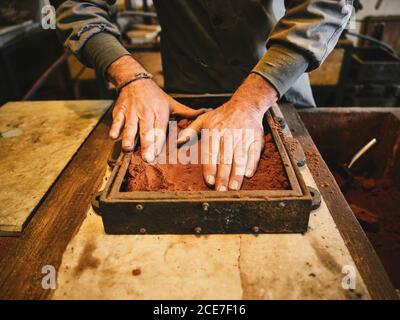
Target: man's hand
236	154
142	106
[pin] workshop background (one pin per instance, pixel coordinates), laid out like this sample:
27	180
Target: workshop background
362	72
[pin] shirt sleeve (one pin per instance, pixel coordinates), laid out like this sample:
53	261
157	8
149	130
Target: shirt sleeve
86	28
302	39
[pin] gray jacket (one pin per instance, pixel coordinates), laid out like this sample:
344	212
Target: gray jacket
211	45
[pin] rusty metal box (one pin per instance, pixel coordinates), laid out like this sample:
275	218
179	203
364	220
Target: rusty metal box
208	212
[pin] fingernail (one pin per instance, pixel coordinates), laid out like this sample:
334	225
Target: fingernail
234	185
221	188
211	180
249	173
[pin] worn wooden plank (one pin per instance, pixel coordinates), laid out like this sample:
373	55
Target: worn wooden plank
259	262
363	253
37	141
273	266
6	244
57	219
266	266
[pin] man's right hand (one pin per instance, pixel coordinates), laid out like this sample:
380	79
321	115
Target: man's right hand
143	106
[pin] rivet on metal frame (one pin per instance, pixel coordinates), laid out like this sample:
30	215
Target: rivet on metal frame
282	205
206	206
139	207
255	229
142	230
197	230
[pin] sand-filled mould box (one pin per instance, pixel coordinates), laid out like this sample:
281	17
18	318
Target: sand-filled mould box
141	198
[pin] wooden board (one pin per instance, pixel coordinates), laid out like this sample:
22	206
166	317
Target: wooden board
60	215
6	244
38	139
57	219
274	266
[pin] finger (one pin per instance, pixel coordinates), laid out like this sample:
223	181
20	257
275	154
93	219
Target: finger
179	109
240	156
253	157
225	162
129	135
160	126
193	130
146	128
118	123
209	157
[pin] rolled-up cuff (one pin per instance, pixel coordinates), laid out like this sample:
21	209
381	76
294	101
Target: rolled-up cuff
103	49
281	66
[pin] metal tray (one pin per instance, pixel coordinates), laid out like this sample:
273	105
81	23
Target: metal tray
209	212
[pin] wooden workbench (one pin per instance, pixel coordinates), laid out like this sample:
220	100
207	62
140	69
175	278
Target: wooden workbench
65	233
37	140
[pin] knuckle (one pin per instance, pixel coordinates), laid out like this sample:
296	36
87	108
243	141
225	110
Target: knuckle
119	117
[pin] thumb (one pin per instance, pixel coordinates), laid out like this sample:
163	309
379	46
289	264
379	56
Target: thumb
179	109
192	131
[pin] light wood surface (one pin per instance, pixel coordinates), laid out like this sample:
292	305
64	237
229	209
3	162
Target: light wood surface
57	219
38	139
274	266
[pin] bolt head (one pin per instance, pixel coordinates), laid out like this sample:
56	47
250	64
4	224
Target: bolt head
206	206
255	229
282	204
197	230
139	207
142	230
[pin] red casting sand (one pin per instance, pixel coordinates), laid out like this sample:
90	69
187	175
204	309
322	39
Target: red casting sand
270	174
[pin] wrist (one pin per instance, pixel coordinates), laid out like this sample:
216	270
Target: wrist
123	69
256	93
137	77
